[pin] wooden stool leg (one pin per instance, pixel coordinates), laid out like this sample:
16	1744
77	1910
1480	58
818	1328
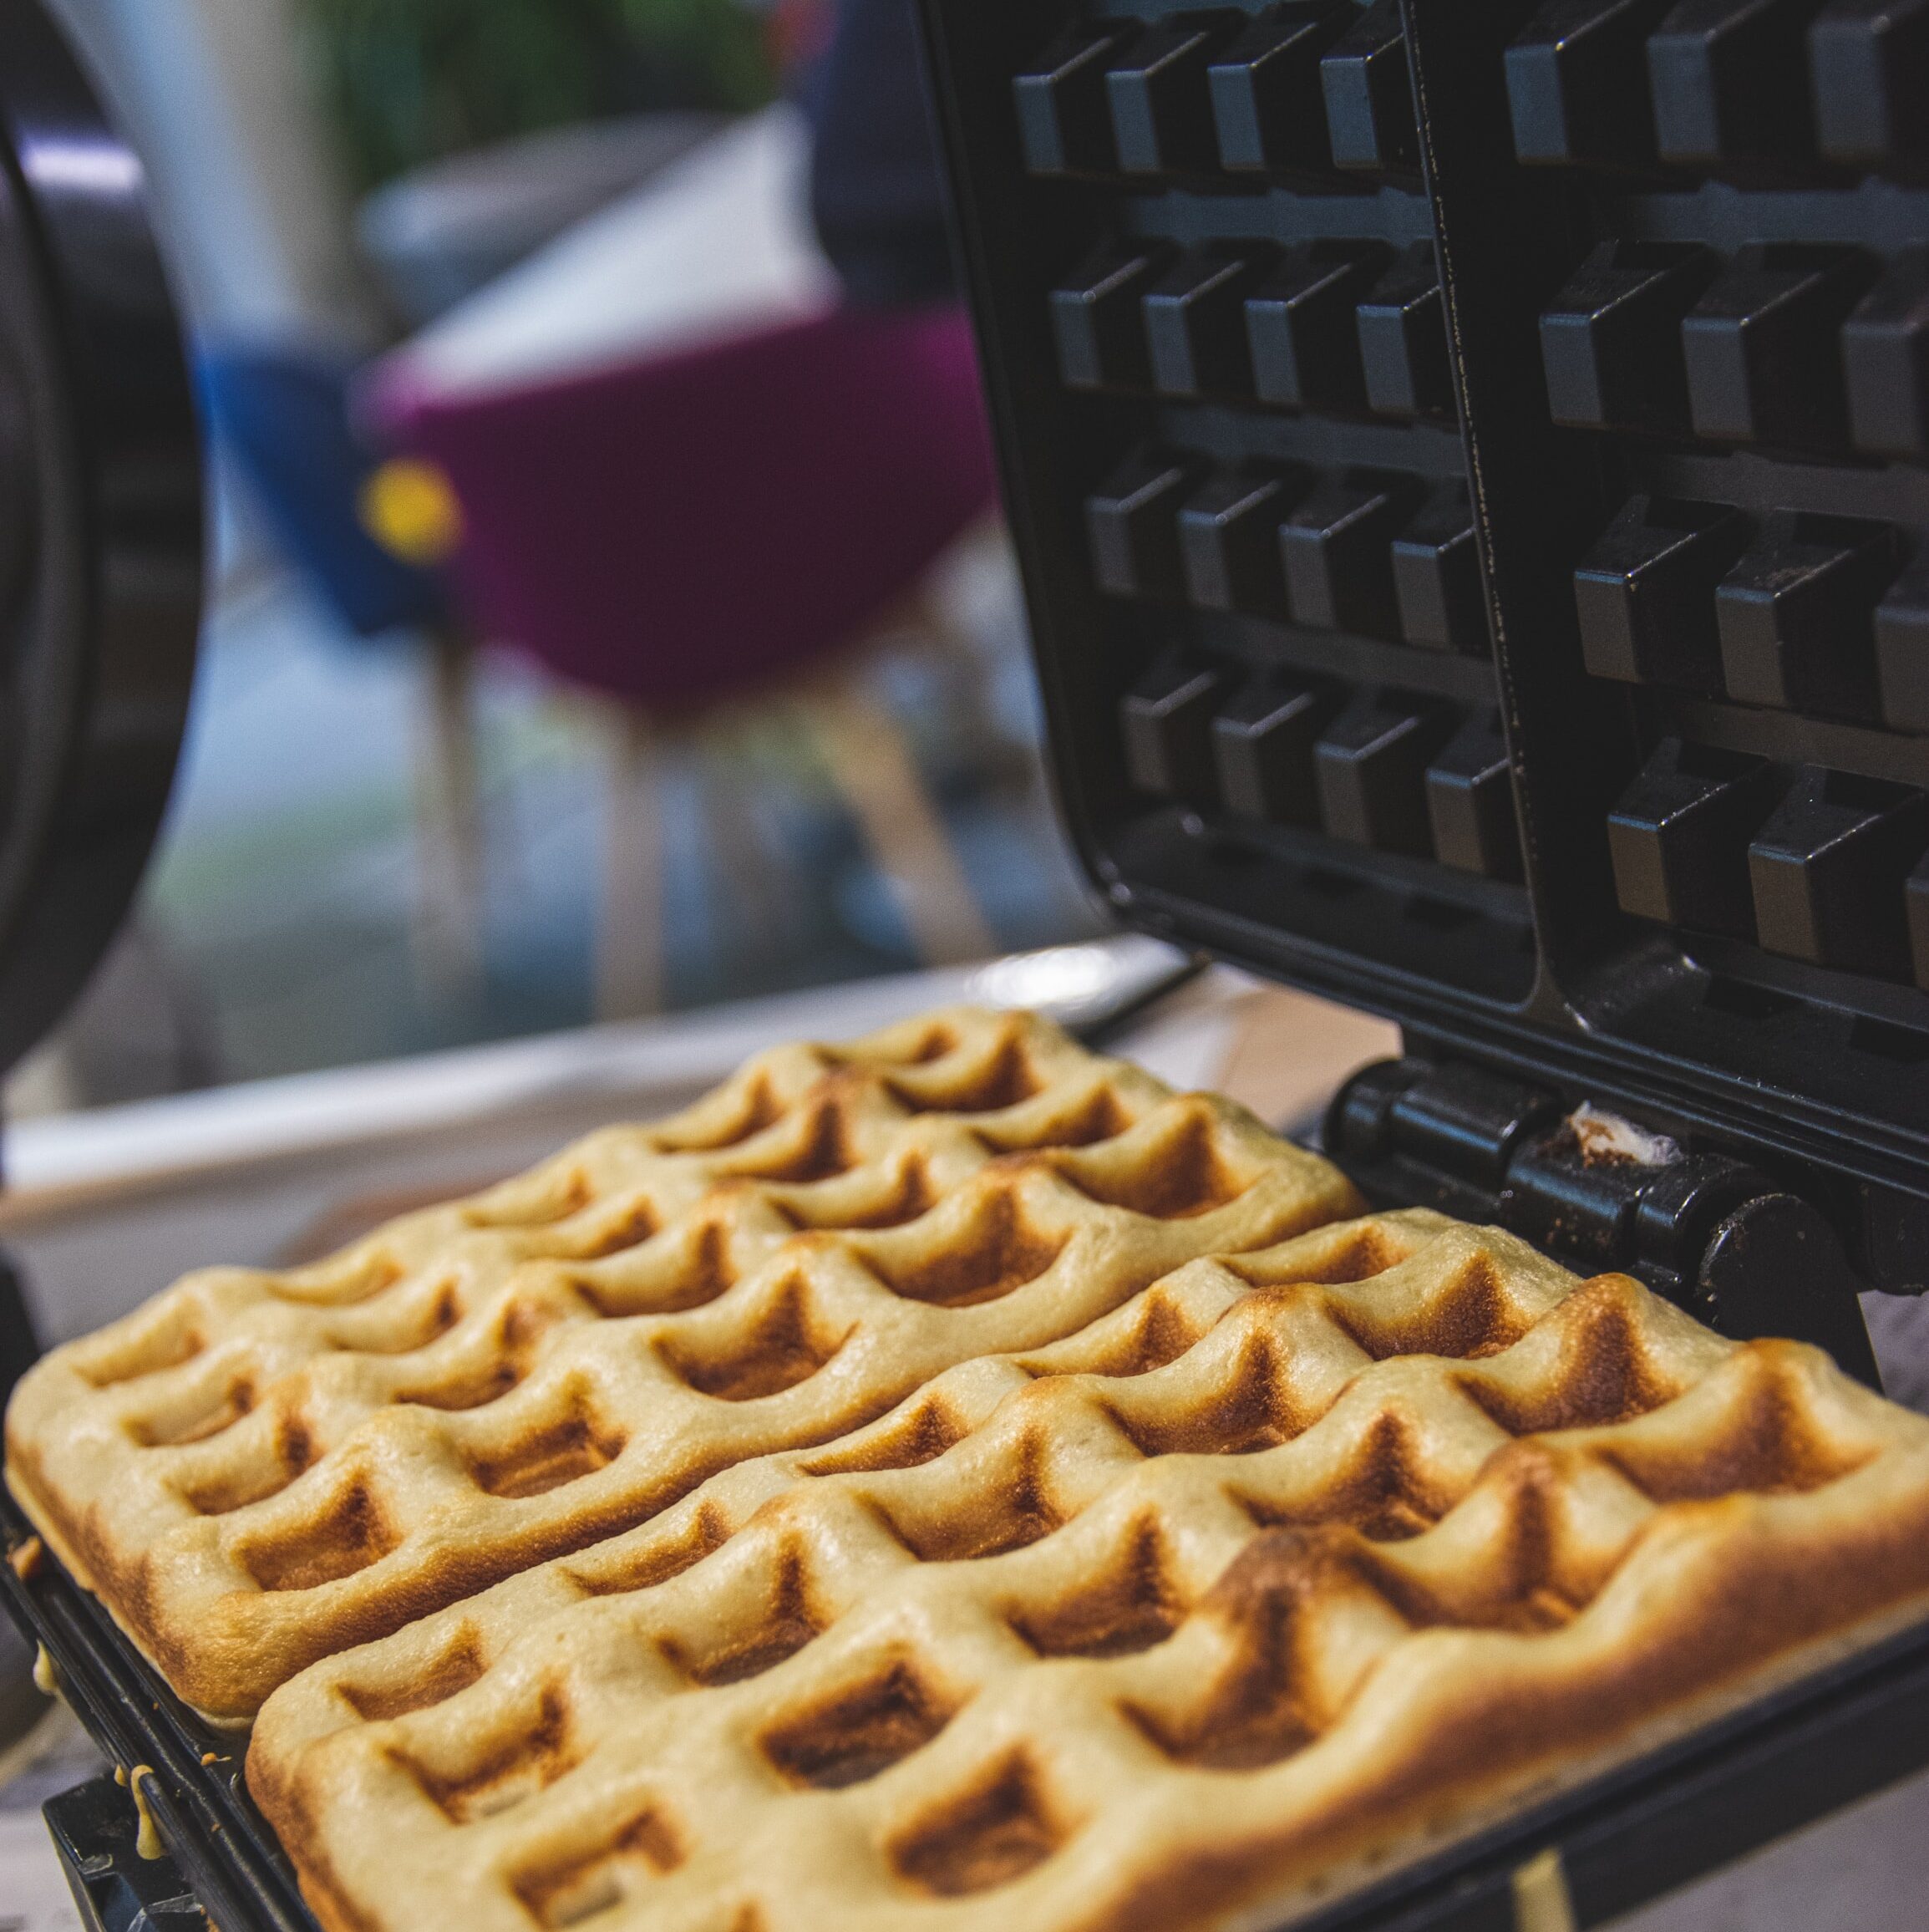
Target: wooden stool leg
762	912
872	766
630	936
449	862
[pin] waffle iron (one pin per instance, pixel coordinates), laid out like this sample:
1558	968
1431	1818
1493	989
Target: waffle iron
1470	467
1469	463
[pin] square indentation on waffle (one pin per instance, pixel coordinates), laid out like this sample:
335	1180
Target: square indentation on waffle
1291	1565
258	1468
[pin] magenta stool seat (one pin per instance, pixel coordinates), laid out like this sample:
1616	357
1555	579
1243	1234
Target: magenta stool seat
707	523
700	523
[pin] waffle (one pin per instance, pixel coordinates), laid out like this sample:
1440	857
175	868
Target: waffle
1297	1564
258	1469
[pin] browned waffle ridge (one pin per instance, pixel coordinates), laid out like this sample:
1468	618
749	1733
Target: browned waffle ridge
1295	1564
258	1469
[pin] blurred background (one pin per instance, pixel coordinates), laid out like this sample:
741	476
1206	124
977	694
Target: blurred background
608	612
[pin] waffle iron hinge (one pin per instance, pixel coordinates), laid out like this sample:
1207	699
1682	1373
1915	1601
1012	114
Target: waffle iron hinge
1600	1192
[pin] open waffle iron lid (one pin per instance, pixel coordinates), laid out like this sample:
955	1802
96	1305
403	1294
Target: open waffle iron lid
1469	466
100	529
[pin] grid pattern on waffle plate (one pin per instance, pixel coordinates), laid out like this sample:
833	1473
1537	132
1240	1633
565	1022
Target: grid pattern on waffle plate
1293	1564
259	1468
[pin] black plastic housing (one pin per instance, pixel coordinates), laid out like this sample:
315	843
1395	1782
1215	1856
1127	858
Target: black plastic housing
100	530
1583	394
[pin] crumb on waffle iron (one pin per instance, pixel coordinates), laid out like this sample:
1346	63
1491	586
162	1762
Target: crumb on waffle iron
258	1469
1297	1563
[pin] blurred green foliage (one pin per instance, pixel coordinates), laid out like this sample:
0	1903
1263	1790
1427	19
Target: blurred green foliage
410	80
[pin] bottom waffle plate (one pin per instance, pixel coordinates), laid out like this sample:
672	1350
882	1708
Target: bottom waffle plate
197	1795
97	1839
1598	1850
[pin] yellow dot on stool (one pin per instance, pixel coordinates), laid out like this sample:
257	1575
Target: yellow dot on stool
410	508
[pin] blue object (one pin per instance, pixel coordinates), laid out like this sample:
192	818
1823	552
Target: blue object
285	416
877	190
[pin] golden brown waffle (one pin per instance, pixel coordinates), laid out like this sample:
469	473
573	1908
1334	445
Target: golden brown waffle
1297	1564
258	1469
